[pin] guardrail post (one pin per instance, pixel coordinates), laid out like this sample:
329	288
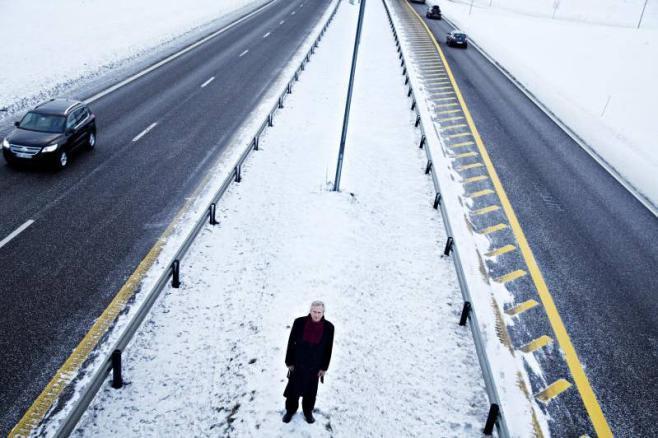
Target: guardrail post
494	411
409	92
256	141
406	80
289	89
270	120
449	243
402	63
428	168
465	312
117	380
437	201
280	102
212	214
238	173
422	142
175	274
417	121
296	76
404	71
413	105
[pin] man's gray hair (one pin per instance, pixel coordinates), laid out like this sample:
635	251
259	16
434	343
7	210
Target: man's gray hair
318	303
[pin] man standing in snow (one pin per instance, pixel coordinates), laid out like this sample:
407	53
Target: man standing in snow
307	358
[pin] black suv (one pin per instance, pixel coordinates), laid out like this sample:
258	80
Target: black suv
433	12
50	132
456	38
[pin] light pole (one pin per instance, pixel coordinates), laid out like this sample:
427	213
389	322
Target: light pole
642	14
343	136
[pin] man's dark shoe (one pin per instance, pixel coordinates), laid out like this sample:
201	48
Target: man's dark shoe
309	418
288	417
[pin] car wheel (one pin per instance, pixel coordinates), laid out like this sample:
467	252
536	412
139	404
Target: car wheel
91	140
62	160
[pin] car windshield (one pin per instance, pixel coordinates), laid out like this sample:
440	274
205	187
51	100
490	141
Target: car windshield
459	35
42	122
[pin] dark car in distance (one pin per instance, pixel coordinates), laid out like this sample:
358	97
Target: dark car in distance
417	1
456	38
433	12
50	133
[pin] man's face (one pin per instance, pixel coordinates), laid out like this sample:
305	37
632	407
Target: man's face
317	313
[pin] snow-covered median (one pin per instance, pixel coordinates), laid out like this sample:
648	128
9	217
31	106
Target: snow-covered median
599	79
210	360
50	47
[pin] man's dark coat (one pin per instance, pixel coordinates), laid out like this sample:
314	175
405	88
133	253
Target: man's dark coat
307	358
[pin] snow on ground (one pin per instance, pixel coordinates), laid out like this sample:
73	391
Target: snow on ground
210	360
599	79
68	41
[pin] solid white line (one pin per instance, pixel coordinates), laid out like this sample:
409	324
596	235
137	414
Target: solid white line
207	82
244	53
282	21
174	56
144	132
267	34
16	232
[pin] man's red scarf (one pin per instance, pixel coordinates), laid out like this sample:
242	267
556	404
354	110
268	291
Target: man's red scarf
313	330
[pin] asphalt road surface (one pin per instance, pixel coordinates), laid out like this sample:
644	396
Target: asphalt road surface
95	221
596	245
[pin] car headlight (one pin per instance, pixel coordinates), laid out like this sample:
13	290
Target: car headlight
50	148
5	144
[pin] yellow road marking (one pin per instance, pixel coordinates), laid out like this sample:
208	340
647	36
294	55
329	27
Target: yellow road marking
470	166
464	155
461	145
475	179
552	391
449	119
535	345
485	210
481	193
500	251
520	308
445	112
463	134
575	367
461	125
514	275
494	228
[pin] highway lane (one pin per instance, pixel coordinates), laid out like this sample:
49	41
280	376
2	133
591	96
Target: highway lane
596	245
95	221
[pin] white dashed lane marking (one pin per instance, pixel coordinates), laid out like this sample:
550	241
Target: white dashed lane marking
144	132
16	232
244	53
207	82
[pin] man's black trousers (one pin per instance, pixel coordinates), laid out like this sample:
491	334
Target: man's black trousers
308	403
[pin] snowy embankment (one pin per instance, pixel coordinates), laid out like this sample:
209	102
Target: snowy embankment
589	65
210	360
69	43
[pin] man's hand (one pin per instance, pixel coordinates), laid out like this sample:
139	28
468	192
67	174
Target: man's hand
321	373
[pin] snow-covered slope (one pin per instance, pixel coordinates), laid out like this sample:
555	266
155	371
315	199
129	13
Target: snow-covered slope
50	46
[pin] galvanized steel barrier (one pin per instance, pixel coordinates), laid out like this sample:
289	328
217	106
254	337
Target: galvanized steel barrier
495	416
112	361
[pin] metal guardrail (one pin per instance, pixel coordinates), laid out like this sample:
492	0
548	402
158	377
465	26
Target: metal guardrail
113	360
495	416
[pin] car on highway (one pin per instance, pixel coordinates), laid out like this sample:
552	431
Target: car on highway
50	133
418	1
433	12
456	38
